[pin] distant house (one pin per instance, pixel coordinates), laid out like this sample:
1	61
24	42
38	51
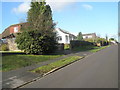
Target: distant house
64	36
89	35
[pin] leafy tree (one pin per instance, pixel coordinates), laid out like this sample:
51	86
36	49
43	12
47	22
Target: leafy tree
112	39
102	41
79	36
38	37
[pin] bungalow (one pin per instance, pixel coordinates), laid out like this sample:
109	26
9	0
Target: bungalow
9	35
64	36
89	35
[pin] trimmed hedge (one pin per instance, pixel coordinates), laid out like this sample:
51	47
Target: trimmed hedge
79	43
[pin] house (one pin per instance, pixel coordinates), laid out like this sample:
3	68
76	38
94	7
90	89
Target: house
64	36
89	35
11	31
9	35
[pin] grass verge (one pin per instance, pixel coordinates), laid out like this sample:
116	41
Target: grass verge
98	48
89	48
44	69
11	62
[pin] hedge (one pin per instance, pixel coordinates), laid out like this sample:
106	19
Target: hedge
79	43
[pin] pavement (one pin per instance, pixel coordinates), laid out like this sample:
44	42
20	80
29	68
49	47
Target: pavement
18	77
98	70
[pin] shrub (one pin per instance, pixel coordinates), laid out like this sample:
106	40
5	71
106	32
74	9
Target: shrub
66	46
102	41
78	43
4	47
33	42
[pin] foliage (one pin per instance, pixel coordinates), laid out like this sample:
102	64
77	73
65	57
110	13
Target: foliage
66	46
102	41
112	39
11	62
40	18
38	37
106	37
79	43
57	64
79	36
34	43
4	47
98	48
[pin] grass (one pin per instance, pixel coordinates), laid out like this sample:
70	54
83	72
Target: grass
98	48
66	47
89	48
49	67
11	62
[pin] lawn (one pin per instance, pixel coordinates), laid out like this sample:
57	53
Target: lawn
44	69
10	62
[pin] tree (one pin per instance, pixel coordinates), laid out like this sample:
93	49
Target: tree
79	36
106	37
112	39
38	37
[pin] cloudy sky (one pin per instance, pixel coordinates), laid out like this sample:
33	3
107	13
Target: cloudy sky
73	16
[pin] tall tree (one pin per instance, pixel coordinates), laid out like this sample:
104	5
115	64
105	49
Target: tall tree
79	36
38	37
40	18
106	37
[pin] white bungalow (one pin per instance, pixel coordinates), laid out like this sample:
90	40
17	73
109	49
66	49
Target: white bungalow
64	36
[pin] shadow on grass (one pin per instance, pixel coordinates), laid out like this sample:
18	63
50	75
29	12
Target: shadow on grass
59	52
12	53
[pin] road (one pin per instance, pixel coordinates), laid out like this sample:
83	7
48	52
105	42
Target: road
99	70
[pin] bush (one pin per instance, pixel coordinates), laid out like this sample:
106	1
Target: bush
66	46
102	41
78	43
4	47
33	42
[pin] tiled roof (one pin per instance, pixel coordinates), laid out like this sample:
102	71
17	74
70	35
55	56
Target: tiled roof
6	32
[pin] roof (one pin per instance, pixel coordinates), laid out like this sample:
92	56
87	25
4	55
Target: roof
17	24
6	32
89	34
66	32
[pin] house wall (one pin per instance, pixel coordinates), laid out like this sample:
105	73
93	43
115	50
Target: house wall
89	36
64	37
11	44
12	29
59	33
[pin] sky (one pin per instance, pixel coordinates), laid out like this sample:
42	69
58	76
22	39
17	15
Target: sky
75	17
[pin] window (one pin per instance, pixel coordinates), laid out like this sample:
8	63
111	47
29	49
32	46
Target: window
70	37
15	29
59	38
66	38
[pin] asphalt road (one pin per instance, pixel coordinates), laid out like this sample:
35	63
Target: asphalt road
99	70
